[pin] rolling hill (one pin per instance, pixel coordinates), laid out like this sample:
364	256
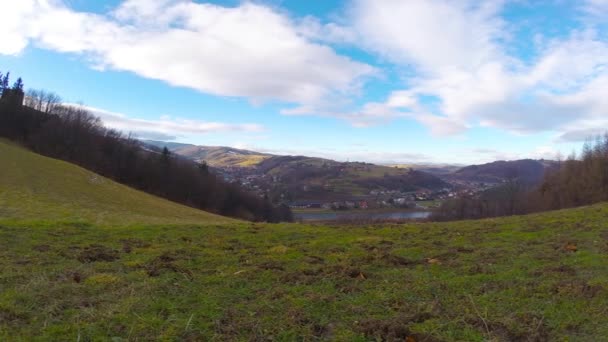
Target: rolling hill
307	178
316	178
216	156
528	171
33	186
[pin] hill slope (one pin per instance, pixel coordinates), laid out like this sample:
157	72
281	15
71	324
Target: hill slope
530	278
216	156
528	171
33	186
306	178
316	178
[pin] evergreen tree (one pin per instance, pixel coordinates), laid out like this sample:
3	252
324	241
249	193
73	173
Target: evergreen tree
165	160
204	168
18	85
1	87
165	155
5	79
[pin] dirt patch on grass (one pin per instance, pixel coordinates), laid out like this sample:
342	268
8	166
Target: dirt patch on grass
563	269
166	263
314	260
525	327
346	277
577	288
396	260
9	316
129	244
395	329
271	266
233	325
41	248
93	253
76	277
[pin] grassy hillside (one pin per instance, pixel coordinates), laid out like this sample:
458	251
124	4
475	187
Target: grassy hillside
316	178
527	171
83	258
216	156
309	177
534	278
36	187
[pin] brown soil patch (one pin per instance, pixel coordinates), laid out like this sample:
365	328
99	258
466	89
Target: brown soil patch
577	288
8	316
394	329
42	248
166	262
93	253
271	265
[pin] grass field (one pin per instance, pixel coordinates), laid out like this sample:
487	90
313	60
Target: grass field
132	276
36	187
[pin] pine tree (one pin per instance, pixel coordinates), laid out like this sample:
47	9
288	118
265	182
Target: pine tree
18	85
165	158
1	87
204	168
5	80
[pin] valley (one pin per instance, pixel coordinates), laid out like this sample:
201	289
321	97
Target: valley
322	184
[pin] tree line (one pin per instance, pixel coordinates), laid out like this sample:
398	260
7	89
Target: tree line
579	180
39	121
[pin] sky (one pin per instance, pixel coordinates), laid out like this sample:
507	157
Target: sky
383	81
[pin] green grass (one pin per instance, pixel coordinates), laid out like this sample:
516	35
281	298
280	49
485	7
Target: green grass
509	279
36	187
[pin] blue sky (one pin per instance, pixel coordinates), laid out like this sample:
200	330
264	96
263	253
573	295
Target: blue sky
422	81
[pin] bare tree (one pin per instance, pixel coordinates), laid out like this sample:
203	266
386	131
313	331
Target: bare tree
33	99
51	101
42	100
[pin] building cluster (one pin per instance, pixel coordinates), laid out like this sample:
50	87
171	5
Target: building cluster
270	185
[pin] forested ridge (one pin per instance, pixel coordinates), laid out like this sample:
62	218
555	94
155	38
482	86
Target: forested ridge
39	121
579	180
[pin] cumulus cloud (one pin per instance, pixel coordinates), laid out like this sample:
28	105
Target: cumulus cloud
578	135
249	51
432	34
596	7
452	55
167	128
463	76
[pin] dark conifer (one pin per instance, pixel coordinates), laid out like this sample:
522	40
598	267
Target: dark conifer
5	80
18	85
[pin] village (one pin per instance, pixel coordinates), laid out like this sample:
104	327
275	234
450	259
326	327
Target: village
264	185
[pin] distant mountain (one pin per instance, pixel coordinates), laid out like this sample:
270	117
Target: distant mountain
434	169
527	171
301	177
216	156
317	178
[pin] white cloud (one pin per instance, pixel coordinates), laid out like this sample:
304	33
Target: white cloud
247	51
464	76
596	7
452	56
432	34
12	38
167	127
579	135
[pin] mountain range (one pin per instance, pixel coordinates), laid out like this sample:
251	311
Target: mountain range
291	178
